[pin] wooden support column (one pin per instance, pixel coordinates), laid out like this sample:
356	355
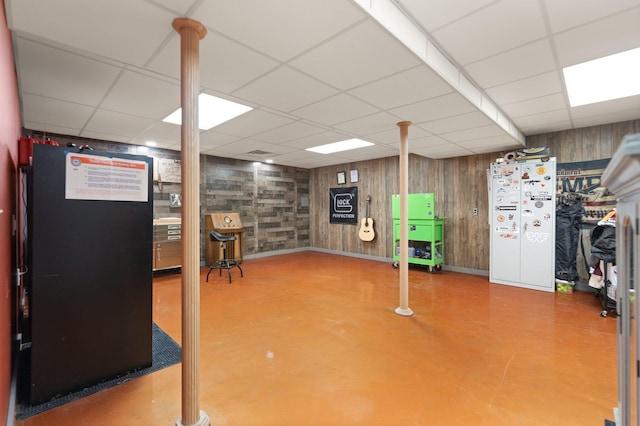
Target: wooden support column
191	32
404	309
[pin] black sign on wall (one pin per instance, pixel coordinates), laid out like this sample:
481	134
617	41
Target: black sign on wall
343	205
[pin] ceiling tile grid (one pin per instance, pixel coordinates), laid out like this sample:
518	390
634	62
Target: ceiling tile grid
319	72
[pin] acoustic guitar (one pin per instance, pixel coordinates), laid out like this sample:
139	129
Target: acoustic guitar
366	232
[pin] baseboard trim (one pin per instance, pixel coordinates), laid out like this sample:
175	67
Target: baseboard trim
469	271
459	269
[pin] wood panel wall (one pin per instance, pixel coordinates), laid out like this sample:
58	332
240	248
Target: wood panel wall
378	178
459	185
270	198
588	143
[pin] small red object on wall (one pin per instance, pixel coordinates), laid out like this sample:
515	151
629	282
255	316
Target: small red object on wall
25	148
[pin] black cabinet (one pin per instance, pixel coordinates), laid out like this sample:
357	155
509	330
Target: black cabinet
89	278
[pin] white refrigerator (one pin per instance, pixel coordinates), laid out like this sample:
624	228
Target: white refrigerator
522	220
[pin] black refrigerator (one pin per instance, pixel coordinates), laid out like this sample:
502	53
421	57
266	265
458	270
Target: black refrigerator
89	277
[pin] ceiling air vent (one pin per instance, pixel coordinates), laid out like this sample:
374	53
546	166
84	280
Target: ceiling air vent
258	152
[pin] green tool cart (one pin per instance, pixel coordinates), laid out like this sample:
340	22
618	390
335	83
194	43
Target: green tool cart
426	235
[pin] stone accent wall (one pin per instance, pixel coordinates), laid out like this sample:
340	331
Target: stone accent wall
268	197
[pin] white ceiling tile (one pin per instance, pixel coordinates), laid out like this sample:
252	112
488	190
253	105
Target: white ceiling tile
607	107
161	132
179	6
567	14
104	136
546	117
374	123
535	105
607	118
288	132
211	139
369	152
117	124
118	29
457	122
396	21
487	26
315	140
494	149
404	88
280	28
85	48
436	13
48	128
473	133
334	62
252	123
335	109
224	64
159	144
53	112
243	146
320	160
614	34
55	73
433	109
274	149
290	156
303	157
548	127
539	85
494	143
526	61
285	89
214	152
426	142
144	96
443	151
392	136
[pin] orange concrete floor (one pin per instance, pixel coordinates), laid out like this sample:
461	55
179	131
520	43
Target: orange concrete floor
312	339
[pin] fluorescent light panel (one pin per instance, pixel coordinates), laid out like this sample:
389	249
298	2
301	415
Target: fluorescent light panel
339	146
603	79
212	111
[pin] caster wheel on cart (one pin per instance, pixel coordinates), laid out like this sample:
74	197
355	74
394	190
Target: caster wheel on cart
439	267
395	265
603	313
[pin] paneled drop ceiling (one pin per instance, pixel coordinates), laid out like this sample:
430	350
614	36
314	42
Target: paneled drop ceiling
474	76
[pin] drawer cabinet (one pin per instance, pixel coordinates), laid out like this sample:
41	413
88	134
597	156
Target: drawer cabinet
167	254
425	233
167	244
428	230
426	243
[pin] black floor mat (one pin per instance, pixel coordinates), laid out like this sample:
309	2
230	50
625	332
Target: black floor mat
166	352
